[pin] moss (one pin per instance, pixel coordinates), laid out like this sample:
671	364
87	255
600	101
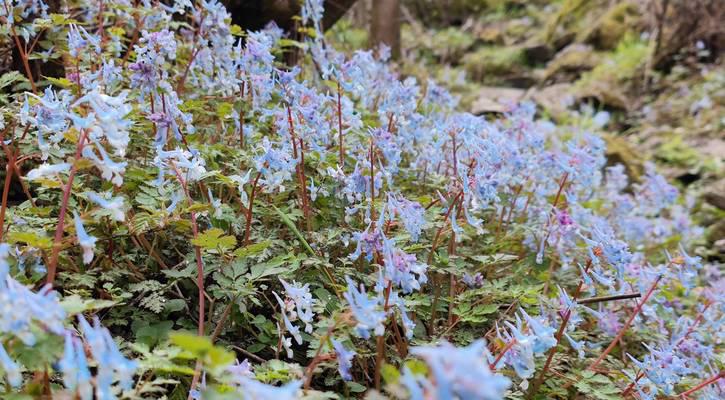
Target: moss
676	152
620	151
563	23
488	62
611	81
609	29
451	43
626	61
573	59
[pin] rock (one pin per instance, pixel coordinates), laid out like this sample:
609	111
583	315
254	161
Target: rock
492	99
537	53
620	151
605	93
554	99
715	194
570	63
492	63
714	148
606	32
716	236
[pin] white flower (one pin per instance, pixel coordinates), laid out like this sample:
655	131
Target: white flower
46	170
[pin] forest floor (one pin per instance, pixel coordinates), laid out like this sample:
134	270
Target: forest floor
578	60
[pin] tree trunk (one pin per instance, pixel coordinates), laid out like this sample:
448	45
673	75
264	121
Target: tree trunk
385	25
255	14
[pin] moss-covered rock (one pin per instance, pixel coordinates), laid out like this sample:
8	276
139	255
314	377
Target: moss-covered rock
621	151
570	63
618	21
493	64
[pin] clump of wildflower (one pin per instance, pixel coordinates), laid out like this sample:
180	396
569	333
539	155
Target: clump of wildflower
403	268
367	311
411	213
112	365
302	300
461	372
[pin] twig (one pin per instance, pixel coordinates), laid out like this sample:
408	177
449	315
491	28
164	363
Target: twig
248	354
602	299
623	329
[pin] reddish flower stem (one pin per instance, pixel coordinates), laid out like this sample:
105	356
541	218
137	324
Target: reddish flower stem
508	347
554	205
248	227
6	188
53	263
241	118
704	383
380	343
372	181
199	272
300	167
436	288
626	325
559	334
339	124
319	357
21	50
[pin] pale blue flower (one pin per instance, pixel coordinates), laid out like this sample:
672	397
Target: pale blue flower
87	242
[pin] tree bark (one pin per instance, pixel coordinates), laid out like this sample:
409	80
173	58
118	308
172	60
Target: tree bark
385	25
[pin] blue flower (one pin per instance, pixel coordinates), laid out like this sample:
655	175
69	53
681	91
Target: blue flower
293	330
74	366
368	312
303	301
112	365
87	242
462	372
113	205
12	371
411	213
254	390
344	359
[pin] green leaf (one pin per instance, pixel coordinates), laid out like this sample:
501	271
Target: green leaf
218	357
154	333
389	373
224	109
32	239
275	266
60	82
356	387
174	305
213	239
196	345
74	304
9	78
236	30
252	249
